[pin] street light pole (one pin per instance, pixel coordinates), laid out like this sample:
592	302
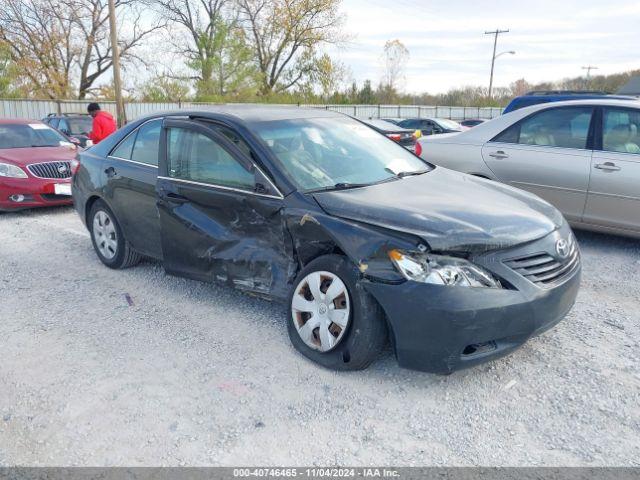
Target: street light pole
120	113
495	33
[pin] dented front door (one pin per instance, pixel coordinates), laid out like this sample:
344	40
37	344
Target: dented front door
214	225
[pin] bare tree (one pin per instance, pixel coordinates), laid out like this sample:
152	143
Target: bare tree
91	19
395	58
285	36
62	46
40	44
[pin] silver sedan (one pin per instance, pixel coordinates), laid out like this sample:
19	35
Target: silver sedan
581	156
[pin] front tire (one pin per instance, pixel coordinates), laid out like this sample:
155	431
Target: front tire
332	320
108	240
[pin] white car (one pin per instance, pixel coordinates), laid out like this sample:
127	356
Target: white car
582	156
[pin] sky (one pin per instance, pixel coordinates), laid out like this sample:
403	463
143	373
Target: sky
448	48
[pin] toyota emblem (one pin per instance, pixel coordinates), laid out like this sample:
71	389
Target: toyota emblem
562	248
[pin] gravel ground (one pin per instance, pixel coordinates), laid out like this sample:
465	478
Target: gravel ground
187	373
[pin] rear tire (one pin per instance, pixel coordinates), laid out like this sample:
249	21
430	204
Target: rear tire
359	332
108	240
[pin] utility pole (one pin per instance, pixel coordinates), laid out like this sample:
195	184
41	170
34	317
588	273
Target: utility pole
495	33
120	113
588	68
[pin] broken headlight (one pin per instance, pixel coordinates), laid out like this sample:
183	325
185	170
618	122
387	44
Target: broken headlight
441	270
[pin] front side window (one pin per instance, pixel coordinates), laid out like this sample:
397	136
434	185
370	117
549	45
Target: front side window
147	143
22	135
620	130
566	127
194	156
320	153
80	125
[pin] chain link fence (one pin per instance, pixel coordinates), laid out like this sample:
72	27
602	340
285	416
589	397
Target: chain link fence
38	109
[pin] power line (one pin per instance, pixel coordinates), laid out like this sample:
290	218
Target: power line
588	68
495	34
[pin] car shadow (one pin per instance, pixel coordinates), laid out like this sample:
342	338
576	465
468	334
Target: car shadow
35	212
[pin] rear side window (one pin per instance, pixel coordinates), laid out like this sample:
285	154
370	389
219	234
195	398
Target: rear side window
124	149
566	127
147	144
620	130
197	157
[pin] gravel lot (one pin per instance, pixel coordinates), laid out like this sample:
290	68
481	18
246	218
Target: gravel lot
195	374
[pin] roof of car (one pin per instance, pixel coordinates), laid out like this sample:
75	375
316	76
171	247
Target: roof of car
17	121
593	101
257	112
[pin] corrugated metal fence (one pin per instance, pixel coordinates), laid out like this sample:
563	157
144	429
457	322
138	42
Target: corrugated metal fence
38	109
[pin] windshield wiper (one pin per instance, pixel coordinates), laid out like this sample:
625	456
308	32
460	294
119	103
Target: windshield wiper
339	186
406	174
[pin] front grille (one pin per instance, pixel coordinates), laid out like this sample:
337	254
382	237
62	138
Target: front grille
50	170
543	268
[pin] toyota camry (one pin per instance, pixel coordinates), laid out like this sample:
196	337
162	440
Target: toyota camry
365	242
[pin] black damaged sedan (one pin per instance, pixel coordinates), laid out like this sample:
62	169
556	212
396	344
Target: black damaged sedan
366	242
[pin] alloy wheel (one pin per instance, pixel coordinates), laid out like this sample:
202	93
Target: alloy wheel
104	234
320	309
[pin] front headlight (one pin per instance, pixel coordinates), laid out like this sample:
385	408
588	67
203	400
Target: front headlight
441	270
8	170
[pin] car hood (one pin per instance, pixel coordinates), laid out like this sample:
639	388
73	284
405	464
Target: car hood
451	211
26	156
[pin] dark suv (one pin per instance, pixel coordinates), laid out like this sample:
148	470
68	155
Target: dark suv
365	241
73	125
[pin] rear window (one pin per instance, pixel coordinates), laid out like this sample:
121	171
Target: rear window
30	135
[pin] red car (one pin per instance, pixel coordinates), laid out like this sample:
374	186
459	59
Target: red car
35	165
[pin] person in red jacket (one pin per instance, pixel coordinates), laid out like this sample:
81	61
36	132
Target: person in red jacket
103	123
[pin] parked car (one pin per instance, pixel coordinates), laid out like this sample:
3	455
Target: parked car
73	125
432	126
473	122
545	96
581	156
403	136
395	121
361	238
35	165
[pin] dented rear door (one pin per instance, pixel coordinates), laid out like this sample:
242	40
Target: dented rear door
215	225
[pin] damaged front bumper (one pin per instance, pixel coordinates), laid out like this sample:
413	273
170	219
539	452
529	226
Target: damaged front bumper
441	329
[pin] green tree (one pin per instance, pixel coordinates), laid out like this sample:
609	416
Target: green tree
164	89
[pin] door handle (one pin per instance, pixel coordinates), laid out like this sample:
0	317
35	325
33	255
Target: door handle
499	155
111	172
176	198
608	166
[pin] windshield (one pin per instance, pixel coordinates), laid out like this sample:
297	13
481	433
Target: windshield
80	126
449	124
319	153
30	135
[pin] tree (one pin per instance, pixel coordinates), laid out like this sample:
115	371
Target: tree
208	35
163	88
366	95
91	32
328	75
394	59
39	39
10	81
61	46
285	35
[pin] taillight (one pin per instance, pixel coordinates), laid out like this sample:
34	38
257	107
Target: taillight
75	165
394	136
418	149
